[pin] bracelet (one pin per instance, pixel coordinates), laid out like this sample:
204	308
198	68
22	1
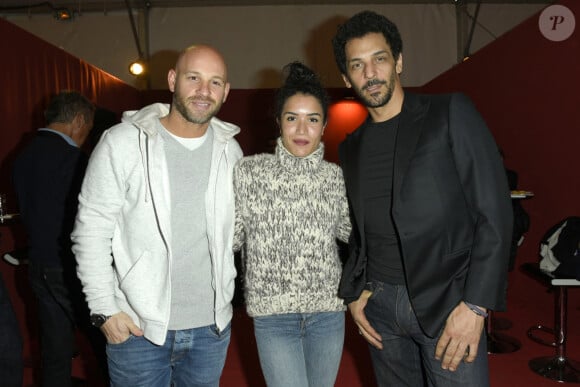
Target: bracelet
476	309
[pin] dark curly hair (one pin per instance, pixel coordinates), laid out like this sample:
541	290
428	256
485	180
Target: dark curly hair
359	25
300	79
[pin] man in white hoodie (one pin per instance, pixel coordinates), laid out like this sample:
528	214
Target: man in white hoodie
153	235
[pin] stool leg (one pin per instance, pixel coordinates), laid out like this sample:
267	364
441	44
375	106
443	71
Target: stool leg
561	326
498	342
558	367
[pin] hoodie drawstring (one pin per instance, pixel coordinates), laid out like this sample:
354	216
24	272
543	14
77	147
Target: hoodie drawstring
144	149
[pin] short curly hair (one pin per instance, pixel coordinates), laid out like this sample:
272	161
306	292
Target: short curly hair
359	25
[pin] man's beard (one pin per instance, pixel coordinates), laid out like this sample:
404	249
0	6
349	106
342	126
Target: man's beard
378	101
181	104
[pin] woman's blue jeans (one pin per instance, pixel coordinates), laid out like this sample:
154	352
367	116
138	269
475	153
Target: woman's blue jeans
189	358
300	349
408	355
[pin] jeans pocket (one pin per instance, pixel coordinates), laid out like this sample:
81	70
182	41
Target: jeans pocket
376	288
127	340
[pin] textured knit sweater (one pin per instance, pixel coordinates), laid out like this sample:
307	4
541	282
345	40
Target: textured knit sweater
289	212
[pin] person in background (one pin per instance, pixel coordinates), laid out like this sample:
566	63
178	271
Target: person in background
154	232
47	175
432	218
290	209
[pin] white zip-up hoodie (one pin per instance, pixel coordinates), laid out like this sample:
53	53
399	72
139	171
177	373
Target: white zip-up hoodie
122	235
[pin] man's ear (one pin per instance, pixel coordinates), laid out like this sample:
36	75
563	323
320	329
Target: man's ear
171	80
76	127
78	122
399	64
226	91
346	81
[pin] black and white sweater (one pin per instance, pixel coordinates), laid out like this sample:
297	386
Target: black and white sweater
289	212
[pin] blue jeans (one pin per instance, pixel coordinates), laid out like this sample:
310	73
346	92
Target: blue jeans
300	349
408	355
190	357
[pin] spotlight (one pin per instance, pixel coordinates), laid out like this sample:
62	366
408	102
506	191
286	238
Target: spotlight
137	68
63	14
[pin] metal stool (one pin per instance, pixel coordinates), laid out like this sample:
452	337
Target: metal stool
557	367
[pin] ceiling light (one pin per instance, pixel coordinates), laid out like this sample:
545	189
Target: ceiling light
63	14
137	68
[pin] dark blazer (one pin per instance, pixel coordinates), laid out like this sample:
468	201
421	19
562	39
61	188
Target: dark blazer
451	209
47	175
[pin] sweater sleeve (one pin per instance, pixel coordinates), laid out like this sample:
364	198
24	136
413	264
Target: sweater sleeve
239	232
344	225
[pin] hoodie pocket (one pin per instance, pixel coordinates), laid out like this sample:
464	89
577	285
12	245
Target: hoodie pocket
146	286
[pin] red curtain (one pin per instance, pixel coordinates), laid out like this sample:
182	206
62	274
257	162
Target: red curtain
31	71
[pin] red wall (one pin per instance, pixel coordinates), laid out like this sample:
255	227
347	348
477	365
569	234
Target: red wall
31	70
526	88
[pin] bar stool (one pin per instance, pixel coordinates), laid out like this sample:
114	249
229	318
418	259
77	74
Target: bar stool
557	367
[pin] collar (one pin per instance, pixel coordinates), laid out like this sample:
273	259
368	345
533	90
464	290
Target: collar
64	136
296	164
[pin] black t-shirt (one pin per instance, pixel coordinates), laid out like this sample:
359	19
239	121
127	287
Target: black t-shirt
383	252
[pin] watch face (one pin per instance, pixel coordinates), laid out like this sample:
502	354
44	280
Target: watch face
98	319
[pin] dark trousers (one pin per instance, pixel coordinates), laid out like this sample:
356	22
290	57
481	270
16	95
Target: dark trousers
408	355
56	319
11	365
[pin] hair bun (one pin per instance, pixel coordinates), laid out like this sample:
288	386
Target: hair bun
296	73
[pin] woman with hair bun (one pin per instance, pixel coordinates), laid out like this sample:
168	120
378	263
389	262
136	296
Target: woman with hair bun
291	208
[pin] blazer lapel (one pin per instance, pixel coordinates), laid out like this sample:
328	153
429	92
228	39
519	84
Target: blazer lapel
408	133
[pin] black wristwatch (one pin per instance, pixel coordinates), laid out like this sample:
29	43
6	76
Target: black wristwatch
97	320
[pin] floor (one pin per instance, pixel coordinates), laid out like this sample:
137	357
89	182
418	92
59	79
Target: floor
529	303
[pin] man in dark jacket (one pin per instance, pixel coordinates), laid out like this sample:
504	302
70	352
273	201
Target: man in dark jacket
47	176
431	219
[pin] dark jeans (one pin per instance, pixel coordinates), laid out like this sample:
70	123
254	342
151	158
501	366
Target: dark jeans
57	324
408	355
11	365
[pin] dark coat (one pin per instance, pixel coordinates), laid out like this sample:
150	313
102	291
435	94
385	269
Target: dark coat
451	209
47	176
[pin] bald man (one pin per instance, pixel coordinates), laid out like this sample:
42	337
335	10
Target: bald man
153	234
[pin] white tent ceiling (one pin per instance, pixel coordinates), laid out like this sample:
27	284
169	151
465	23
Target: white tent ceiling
79	6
